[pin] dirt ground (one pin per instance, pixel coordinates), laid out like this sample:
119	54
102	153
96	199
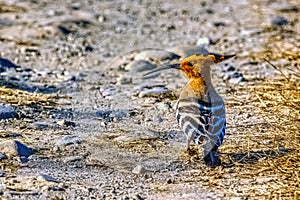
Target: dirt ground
99	130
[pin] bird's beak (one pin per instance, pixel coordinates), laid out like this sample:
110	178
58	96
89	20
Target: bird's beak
164	67
220	58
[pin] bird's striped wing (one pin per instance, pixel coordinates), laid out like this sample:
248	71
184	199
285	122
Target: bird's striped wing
203	122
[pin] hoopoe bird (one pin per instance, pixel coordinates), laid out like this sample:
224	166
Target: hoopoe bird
200	110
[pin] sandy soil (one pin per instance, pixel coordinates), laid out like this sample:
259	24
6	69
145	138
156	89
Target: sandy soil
97	129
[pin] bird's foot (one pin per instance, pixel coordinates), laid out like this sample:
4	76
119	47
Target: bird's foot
212	159
191	151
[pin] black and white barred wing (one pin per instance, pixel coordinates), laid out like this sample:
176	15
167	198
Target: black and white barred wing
202	122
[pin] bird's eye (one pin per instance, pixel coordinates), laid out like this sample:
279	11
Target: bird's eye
189	64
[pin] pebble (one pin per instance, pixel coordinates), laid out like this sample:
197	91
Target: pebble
47	178
203	42
112	115
139	66
2	173
109	92
124	80
230	74
279	21
72	159
284	7
135	136
7	111
68	140
153	92
156	55
149	85
139	169
39	125
5	64
2	156
15	148
186	51
66	123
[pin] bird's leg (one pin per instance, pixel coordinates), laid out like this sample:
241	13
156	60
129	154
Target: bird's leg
188	149
188	145
211	157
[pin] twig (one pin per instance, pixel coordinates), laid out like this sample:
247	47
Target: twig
275	67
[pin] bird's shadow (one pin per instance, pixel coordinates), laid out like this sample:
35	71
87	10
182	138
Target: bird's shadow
253	157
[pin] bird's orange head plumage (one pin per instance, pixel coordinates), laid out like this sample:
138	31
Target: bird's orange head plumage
195	65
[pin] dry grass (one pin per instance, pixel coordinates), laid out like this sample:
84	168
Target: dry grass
264	143
23	98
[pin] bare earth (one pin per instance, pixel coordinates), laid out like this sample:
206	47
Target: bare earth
99	130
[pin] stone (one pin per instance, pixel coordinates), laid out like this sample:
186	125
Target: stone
2	173
15	148
124	80
45	177
112	115
203	42
68	140
139	169
2	156
279	21
108	92
136	136
65	123
5	64
139	66
284	7
156	55
39	125
72	159
7	111
186	51
153	92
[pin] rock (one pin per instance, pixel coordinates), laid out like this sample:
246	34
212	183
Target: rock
65	123
15	148
147	85
139	66
2	173
279	21
218	24
2	156
44	177
284	7
39	125
156	55
7	111
139	169
136	136
203	42
137	197
186	51
72	159
108	92
5	64
112	115
153	92
68	140
124	80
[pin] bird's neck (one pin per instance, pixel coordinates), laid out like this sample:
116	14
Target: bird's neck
201	86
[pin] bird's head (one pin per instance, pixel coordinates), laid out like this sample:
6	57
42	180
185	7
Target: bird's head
195	65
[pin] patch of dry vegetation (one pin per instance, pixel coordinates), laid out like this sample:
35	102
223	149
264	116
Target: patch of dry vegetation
22	98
